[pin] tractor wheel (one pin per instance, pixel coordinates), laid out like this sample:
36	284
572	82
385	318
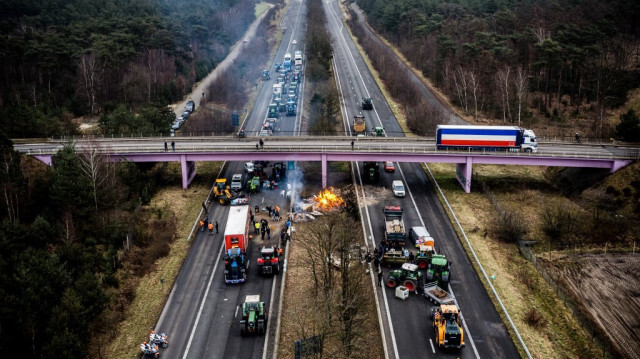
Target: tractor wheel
391	283
243	329
445	277
422	264
429	276
410	285
261	327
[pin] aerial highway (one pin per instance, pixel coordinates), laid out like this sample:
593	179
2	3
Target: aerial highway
202	314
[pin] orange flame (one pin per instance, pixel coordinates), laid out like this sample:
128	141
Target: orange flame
327	200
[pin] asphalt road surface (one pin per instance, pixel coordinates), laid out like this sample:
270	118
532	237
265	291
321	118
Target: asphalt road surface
407	327
202	314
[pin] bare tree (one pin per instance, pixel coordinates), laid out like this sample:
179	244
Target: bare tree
461	84
522	83
91	70
502	80
541	34
95	164
474	85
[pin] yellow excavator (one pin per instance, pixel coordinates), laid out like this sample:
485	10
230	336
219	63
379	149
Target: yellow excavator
447	326
221	192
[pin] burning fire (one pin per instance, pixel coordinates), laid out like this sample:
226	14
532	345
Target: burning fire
327	200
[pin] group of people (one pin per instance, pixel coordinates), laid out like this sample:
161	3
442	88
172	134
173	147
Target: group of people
173	146
261	227
274	212
205	224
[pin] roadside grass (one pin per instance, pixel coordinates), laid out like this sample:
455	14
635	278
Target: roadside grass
517	282
396	109
261	8
150	294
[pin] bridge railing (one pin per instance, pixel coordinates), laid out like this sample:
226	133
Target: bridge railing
385	146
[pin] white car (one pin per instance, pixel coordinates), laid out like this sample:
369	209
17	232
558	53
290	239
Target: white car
236	182
249	167
294	42
398	188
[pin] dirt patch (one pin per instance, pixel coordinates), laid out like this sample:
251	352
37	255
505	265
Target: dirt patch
605	286
299	311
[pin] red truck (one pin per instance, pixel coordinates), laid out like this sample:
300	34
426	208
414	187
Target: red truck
236	240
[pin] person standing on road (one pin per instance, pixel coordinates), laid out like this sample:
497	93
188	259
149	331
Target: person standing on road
257	228
166	147
216	226
173	146
380	277
210	228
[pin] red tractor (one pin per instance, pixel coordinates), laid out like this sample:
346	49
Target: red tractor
269	261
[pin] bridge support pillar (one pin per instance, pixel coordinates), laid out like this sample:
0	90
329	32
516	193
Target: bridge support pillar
618	164
324	170
463	174
188	171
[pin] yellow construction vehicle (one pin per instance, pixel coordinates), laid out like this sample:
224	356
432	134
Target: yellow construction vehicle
447	326
221	191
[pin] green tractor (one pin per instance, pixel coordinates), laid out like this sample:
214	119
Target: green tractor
254	316
378	131
423	257
273	111
439	269
408	276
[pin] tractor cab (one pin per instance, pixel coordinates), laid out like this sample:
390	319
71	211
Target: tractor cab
273	111
235	266
424	255
447	325
378	131
439	269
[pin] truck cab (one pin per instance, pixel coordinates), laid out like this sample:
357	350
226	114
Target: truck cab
529	141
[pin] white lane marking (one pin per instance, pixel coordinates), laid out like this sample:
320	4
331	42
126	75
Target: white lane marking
236	315
204	299
432	348
464	322
266	336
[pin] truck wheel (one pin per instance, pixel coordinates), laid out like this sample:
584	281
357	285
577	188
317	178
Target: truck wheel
422	264
391	283
410	285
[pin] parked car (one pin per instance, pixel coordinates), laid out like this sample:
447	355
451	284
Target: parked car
398	188
190	106
185	115
389	166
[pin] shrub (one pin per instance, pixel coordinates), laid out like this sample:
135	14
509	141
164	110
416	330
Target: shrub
534	319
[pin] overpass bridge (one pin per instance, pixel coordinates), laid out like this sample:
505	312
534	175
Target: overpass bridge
190	150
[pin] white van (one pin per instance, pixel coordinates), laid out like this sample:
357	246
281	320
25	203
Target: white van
398	188
420	236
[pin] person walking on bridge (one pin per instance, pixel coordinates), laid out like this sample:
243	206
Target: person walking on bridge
352	143
261	144
166	148
173	146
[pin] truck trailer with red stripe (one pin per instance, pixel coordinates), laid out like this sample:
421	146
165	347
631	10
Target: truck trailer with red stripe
490	138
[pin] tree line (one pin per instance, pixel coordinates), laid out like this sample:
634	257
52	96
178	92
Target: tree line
64	59
512	60
61	232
